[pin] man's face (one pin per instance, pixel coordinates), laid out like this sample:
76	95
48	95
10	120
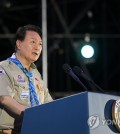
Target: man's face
30	48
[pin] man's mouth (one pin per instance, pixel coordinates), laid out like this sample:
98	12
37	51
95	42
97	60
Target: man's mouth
35	53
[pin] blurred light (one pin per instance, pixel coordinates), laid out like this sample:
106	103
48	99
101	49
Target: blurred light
90	14
87	51
87	37
6	3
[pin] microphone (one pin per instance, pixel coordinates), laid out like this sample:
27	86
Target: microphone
69	71
80	72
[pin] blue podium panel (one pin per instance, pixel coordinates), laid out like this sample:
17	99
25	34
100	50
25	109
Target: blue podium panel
64	116
84	113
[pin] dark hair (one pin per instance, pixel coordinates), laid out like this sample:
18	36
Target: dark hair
21	32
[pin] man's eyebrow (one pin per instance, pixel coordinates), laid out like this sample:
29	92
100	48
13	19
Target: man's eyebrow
34	38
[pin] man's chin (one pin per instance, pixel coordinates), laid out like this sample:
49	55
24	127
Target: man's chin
34	60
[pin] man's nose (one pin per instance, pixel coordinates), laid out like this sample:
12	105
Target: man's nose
37	46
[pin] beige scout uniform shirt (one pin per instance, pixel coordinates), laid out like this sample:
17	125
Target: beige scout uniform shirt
13	82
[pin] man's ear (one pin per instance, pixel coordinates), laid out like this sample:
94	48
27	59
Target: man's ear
18	44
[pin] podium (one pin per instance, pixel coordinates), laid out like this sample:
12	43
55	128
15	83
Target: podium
83	113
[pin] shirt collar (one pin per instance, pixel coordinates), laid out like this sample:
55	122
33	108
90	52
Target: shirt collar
32	66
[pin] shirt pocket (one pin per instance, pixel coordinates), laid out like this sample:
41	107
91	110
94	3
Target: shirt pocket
22	94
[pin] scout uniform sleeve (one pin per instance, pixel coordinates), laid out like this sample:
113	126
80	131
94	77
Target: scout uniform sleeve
5	83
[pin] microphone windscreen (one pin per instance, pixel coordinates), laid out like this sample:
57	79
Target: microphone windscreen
67	68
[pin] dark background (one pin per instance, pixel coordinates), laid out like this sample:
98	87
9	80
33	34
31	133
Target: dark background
68	21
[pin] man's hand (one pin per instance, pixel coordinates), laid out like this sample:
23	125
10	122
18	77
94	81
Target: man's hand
12	106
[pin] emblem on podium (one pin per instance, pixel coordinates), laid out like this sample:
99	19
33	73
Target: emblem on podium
116	114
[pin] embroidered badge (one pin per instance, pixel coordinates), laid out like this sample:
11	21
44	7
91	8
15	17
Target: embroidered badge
2	72
38	87
24	94
20	79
